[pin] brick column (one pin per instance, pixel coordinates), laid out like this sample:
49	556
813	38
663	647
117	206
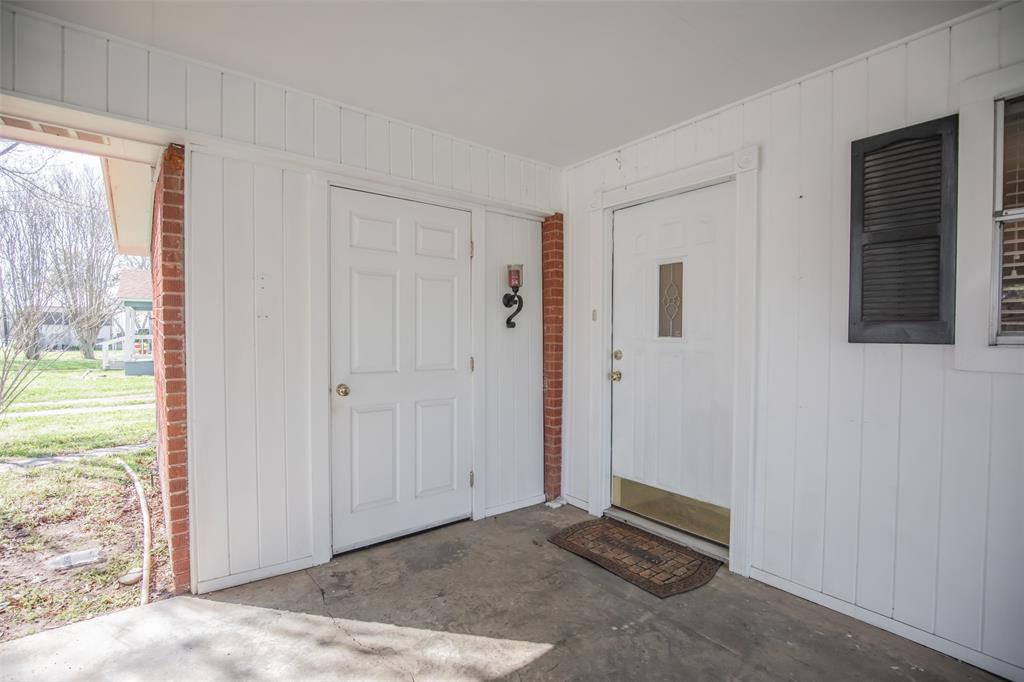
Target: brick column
552	279
168	258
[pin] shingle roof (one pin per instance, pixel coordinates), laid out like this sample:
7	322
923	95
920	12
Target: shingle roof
135	285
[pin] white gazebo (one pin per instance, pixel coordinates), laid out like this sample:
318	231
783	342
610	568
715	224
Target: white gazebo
134	349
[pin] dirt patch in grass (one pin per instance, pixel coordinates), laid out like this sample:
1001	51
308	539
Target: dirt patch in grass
48	511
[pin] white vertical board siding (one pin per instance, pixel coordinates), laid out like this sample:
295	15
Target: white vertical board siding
353	138
7	50
168	80
813	306
248	330
1004	600
846	361
239	108
515	433
127	80
922	385
205	319
236	270
37	57
880	428
496	175
422	155
204	100
296	283
400	137
1011	28
779	280
462	166
377	145
272	367
269	121
963	508
51	60
85	62
883	477
442	161
299	127
328	131
580	244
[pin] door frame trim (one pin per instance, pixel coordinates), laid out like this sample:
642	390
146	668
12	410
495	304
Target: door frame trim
743	167
320	254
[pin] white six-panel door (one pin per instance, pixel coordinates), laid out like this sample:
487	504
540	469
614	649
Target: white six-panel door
673	321
400	337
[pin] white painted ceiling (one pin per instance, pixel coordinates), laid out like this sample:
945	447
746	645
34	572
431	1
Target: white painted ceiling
553	81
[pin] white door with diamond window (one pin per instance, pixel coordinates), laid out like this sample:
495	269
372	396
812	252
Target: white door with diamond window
673	326
400	339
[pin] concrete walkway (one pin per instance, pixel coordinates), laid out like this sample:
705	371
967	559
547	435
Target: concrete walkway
485	600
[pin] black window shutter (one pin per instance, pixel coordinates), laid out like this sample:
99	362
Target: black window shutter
903	235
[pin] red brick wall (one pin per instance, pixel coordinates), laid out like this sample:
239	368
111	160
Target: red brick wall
552	281
168	258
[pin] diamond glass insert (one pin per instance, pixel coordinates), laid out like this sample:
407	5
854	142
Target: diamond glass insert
670	300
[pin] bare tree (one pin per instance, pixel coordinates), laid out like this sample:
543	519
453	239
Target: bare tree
84	255
26	289
56	247
26	226
134	262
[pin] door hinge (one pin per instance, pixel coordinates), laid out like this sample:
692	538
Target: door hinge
472	364
472	248
472	479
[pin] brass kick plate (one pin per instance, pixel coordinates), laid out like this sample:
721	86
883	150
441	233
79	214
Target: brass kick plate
692	516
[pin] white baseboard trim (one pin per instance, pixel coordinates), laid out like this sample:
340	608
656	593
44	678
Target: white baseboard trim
577	502
950	648
214	584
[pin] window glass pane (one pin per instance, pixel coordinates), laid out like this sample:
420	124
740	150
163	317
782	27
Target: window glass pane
1011	271
1013	154
670	300
1011	304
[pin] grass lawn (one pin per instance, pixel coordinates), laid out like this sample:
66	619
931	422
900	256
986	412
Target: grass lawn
82	403
45	435
69	377
69	359
47	511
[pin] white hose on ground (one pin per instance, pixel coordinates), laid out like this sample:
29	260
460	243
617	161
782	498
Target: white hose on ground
147	536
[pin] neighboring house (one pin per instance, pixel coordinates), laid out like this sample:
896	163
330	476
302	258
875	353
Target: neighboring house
817	345
133	348
57	333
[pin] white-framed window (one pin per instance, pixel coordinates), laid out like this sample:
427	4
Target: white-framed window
987	339
1008	307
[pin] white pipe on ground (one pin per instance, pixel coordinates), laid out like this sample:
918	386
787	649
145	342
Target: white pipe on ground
147	536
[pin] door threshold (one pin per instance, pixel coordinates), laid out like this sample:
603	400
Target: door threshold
703	546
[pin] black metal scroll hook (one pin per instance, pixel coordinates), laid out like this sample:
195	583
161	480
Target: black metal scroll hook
509	300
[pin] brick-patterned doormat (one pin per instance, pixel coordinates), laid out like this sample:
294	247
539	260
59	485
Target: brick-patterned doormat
659	566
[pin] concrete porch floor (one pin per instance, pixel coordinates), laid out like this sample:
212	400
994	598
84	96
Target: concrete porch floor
484	600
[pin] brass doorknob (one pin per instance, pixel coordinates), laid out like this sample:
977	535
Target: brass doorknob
615	375
342	390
